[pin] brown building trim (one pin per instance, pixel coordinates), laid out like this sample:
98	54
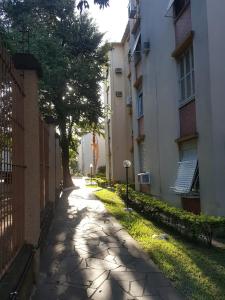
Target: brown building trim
136	25
138	82
140	138
145	188
191	204
184	45
187	138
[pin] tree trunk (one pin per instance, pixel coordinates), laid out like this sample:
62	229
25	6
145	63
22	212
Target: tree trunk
67	180
94	157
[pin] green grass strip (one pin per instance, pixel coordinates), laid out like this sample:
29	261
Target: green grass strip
197	272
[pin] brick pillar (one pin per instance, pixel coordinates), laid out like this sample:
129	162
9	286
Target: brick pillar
58	164
30	66
52	164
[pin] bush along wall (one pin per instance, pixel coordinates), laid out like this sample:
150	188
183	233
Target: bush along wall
102	182
197	227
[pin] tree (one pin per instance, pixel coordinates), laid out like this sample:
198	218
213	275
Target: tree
69	49
85	4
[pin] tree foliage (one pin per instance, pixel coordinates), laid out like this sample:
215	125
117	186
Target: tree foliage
69	48
85	4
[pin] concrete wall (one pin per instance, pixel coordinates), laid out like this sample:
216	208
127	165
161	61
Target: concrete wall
160	95
208	23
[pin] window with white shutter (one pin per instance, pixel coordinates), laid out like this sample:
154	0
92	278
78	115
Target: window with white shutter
186	176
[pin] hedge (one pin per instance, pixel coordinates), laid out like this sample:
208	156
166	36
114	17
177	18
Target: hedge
196	227
102	182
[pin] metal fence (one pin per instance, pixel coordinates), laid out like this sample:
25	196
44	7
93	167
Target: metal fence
11	161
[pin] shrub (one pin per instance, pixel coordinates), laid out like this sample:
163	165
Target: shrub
102	182
196	227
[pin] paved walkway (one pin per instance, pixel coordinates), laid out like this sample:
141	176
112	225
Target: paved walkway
89	256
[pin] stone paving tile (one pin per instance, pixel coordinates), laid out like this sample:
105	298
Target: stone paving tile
88	255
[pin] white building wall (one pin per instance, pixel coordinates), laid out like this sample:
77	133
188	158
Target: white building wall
118	128
86	154
209	48
160	90
161	106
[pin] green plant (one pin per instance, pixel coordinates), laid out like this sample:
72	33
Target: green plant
197	227
102	182
197	272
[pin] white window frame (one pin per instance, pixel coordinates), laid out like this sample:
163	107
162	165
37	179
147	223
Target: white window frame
183	78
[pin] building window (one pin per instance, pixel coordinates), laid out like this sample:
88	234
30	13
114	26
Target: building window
140	111
187	175
187	181
186	76
179	6
137	49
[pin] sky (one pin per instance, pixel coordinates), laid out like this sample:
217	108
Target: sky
112	20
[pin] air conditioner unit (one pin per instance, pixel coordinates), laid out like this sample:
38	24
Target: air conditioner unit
129	101
119	94
144	178
146	47
118	70
132	10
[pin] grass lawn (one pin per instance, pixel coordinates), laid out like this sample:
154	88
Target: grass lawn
197	272
92	186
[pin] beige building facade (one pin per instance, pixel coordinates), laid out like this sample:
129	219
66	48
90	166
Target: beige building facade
118	123
173	59
91	151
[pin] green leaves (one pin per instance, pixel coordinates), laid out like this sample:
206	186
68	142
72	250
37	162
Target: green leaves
198	227
84	4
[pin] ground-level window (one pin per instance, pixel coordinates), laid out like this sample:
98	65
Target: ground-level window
187	180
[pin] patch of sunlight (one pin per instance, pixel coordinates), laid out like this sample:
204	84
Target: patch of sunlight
198	272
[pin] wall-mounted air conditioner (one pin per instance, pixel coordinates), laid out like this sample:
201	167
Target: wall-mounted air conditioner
129	101
118	70
146	47
119	94
144	178
132	10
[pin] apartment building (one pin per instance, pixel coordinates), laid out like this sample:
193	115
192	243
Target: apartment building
176	72
91	151
118	122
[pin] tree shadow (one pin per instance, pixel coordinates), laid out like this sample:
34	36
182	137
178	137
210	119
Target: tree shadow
88	255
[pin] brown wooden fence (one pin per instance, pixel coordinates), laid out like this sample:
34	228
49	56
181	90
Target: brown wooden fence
11	161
